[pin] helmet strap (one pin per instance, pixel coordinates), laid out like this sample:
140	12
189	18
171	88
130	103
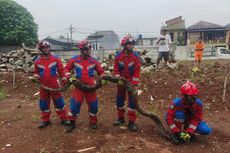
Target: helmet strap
190	100
84	54
128	50
44	53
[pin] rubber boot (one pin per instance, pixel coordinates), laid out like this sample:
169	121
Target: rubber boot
71	127
119	121
132	126
43	124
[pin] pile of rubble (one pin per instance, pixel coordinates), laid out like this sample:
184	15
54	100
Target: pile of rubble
107	63
148	63
21	59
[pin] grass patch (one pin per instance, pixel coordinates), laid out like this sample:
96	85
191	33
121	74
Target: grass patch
35	118
2	92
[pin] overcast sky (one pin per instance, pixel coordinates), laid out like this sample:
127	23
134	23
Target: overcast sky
123	16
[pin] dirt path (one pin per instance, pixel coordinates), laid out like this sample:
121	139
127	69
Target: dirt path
19	116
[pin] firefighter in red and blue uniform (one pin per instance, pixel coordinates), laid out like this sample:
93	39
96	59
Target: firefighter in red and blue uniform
127	65
184	115
83	67
47	70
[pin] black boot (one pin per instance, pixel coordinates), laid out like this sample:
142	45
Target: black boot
176	140
193	138
93	125
119	121
132	126
65	122
71	127
43	124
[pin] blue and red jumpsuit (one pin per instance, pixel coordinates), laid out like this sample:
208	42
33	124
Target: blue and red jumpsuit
84	70
127	66
181	117
48	69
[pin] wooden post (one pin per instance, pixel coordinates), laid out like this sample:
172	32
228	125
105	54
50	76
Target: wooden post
225	85
13	78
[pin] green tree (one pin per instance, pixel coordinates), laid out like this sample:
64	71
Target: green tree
16	24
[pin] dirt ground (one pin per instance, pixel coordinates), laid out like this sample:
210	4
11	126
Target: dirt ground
20	115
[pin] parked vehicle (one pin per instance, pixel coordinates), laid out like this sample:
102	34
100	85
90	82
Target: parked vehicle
222	53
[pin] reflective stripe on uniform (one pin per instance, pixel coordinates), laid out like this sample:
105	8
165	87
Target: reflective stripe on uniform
132	110
135	79
70	114
36	75
78	65
172	126
121	107
171	107
130	64
91	114
52	64
91	66
192	126
58	109
63	78
46	111
122	63
67	73
41	66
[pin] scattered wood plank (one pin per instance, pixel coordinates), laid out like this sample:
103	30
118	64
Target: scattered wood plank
86	149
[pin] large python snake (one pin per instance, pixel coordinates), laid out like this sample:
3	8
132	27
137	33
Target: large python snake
129	87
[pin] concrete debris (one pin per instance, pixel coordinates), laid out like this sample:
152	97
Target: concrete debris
139	92
148	64
21	59
172	66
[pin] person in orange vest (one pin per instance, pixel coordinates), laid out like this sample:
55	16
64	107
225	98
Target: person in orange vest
199	49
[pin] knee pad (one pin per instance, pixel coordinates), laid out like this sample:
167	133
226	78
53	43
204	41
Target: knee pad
43	105
75	107
59	103
203	128
93	107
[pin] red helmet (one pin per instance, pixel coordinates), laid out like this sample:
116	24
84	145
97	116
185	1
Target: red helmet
128	39
42	44
189	88
84	44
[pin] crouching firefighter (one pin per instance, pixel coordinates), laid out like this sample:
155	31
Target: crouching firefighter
184	115
47	69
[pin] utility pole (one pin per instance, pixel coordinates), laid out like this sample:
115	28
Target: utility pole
68	40
71	34
96	40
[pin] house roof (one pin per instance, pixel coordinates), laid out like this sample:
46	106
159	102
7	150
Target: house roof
60	40
175	26
173	21
202	25
227	26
